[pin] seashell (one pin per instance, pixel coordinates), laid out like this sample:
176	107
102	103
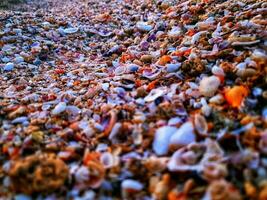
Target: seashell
60	107
217	71
114	131
154	94
130	184
133	67
70	30
107	159
201	125
183	136
174	121
185	159
20	120
173	67
152	75
73	110
9	66
247	43
162	139
259	55
209	85
217	99
196	37
175	32
220	190
235	96
144	26
105	86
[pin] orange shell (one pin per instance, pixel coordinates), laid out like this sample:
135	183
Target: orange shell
236	95
164	60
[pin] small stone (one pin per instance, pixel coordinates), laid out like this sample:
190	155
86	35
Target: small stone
209	86
9	67
61	107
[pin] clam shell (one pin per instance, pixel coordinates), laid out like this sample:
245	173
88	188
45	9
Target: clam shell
162	139
209	85
183	136
60	107
132	184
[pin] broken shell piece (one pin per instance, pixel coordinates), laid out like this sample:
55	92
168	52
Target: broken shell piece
130	187
144	26
107	159
201	125
221	190
195	156
162	139
209	85
183	136
154	94
217	99
235	96
60	107
175	32
70	30
195	38
245	43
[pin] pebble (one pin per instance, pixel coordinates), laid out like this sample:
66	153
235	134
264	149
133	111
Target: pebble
209	86
162	139
9	67
61	107
183	136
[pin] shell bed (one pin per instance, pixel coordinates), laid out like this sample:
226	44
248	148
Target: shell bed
131	99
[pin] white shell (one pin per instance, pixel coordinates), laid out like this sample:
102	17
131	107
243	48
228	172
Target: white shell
217	99
183	136
144	26
217	71
60	107
154	94
70	30
209	85
201	124
162	139
132	184
175	32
